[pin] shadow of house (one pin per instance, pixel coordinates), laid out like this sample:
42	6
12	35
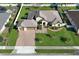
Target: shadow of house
71	29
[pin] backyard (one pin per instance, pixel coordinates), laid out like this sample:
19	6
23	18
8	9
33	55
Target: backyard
26	9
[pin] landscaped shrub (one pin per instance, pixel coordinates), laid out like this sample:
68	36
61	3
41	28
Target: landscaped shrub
63	39
26	13
36	39
1	38
24	17
48	35
7	25
26	8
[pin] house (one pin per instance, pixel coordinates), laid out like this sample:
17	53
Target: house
4	18
48	17
2	9
73	16
28	24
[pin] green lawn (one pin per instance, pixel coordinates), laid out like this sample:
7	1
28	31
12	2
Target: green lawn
38	51
1	44
54	38
5	51
23	13
62	8
12	37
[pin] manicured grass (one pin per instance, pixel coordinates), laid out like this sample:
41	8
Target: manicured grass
23	13
12	37
54	38
1	43
54	51
5	51
67	8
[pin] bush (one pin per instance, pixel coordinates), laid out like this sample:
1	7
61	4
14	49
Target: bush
36	39
63	39
48	35
1	38
7	25
24	17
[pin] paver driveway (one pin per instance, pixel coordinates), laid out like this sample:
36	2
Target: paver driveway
26	38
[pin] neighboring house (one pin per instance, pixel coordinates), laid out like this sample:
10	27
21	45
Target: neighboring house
73	16
48	17
28	24
4	18
2	9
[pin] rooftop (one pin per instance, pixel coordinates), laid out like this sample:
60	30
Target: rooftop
74	15
48	15
3	19
29	23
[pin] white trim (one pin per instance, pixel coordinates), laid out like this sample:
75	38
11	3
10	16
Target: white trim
78	31
18	14
48	4
2	29
7	4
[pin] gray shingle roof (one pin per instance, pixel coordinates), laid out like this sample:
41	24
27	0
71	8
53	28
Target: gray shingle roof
29	23
3	19
48	15
74	15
